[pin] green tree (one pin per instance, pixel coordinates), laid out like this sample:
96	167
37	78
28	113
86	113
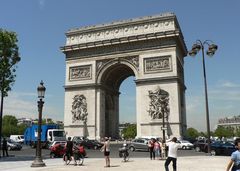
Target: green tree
9	57
130	131
224	132
10	125
192	133
21	129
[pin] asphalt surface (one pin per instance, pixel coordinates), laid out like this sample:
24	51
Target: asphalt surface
28	153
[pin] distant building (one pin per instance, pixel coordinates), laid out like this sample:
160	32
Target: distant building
233	121
26	121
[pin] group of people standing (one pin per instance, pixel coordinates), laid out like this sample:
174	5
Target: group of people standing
158	148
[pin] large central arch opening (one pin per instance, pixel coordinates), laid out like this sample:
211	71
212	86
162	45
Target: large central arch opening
112	79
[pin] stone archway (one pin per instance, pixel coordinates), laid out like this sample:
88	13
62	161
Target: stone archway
99	58
111	76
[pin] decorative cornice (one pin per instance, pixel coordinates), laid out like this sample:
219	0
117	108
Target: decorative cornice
115	41
122	23
120	29
127	47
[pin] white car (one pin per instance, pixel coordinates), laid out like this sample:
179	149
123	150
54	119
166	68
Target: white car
185	145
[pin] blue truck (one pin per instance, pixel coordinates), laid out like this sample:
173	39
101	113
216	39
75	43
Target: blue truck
49	134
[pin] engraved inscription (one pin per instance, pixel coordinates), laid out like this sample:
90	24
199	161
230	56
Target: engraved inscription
80	72
157	64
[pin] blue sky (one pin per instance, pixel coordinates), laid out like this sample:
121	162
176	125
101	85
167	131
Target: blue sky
41	24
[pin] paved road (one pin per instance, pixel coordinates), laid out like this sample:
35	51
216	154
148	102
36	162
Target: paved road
28	153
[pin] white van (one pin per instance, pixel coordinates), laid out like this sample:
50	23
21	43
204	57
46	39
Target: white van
17	138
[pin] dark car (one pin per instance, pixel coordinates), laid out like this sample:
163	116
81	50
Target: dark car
222	148
91	144
201	145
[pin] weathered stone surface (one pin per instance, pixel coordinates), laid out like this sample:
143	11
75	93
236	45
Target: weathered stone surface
99	58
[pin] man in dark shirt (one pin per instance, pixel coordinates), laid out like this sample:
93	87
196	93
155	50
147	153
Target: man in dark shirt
69	148
4	147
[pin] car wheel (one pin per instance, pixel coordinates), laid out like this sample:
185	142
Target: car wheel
95	147
213	152
52	155
184	147
197	149
9	148
132	148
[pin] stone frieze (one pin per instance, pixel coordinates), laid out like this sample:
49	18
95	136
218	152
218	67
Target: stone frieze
157	64
80	72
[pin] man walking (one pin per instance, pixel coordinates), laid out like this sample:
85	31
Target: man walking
172	154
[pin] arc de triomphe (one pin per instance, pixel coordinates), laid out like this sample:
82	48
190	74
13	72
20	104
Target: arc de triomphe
99	58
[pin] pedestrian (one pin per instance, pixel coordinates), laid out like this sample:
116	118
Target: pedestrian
151	148
69	149
172	154
4	147
235	158
106	149
157	149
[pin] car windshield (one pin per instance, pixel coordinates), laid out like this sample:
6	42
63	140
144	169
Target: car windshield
58	133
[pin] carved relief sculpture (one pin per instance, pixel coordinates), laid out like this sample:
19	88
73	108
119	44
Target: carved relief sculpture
157	64
80	72
134	60
159	104
79	109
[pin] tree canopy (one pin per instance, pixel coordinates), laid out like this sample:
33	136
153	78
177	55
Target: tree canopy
130	131
9	56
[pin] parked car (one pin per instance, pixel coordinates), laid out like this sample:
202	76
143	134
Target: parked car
57	142
57	150
77	139
201	145
222	148
17	138
12	145
139	144
91	144
185	145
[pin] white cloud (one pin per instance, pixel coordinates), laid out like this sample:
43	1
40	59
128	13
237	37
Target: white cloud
24	104
228	84
13	105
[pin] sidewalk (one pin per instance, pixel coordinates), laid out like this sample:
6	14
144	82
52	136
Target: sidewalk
196	163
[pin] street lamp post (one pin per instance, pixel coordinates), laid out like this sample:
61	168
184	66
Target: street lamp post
210	52
38	160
